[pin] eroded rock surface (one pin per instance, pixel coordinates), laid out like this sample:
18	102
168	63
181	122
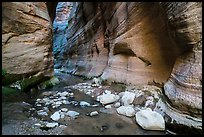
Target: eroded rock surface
140	43
26	40
122	42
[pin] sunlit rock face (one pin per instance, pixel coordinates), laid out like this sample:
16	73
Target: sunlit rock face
125	42
26	40
60	26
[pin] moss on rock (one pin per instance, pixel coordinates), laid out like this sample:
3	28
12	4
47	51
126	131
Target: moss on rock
9	91
32	81
49	83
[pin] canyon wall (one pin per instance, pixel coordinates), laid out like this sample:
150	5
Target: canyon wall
184	87
60	26
140	43
127	42
26	41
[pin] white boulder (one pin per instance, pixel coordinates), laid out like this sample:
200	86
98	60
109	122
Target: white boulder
72	113
108	98
55	116
117	104
127	98
150	120
126	110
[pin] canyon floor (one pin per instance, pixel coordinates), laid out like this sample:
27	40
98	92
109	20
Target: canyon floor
19	114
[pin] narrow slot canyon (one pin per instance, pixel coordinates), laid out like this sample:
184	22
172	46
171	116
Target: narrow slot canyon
101	68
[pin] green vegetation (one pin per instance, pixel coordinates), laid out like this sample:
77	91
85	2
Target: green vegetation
117	86
9	91
3	72
49	83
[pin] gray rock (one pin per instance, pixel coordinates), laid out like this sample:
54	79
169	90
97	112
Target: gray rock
140	100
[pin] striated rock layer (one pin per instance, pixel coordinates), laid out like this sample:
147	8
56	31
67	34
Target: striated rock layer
26	40
184	87
120	41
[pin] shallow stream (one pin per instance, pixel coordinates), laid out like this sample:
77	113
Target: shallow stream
18	119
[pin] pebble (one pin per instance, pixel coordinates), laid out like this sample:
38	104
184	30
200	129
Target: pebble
107	92
64	109
108	106
47	93
63	98
42	113
71	94
65	102
37	124
94	113
51	125
84	103
58	103
38	105
63	94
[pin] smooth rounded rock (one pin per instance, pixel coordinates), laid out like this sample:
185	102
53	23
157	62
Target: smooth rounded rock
150	120
126	110
55	116
108	98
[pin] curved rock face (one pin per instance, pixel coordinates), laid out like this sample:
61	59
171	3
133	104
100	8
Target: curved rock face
26	40
122	42
140	43
184	87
